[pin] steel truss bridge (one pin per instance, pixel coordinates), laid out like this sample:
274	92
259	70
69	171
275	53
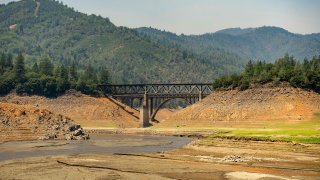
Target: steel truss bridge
152	97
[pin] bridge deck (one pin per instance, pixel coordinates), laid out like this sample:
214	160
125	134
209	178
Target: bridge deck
178	90
158	95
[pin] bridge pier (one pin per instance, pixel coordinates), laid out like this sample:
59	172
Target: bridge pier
151	107
144	112
131	102
200	96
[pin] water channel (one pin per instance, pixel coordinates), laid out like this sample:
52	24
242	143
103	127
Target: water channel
102	143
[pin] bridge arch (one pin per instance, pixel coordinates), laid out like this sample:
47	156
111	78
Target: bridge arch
153	115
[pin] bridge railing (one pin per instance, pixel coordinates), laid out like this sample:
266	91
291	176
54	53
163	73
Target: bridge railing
135	89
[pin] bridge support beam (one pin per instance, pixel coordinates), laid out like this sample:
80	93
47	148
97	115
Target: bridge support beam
131	102
151	107
200	96
144	112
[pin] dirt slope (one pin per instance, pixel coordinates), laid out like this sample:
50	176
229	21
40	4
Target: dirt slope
85	110
251	106
164	114
23	122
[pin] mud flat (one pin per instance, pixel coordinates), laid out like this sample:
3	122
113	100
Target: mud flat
224	159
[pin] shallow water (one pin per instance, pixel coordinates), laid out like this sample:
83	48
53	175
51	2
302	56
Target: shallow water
102	143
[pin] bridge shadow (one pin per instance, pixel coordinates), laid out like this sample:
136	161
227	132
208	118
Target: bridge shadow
155	121
123	107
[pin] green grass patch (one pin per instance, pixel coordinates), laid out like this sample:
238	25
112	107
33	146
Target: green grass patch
307	140
290	125
299	139
276	132
304	135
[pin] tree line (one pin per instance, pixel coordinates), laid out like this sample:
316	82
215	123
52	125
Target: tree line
304	74
46	79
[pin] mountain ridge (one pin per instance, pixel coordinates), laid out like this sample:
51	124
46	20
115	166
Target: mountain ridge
68	36
266	43
140	55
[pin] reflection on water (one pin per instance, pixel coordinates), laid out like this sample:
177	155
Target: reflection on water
102	143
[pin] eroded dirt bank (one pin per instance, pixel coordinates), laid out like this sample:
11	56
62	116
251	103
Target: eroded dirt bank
85	110
248	108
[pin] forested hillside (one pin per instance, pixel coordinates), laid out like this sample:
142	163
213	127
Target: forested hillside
304	75
49	29
46	79
264	43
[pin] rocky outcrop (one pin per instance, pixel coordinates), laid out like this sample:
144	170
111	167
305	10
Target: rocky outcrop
23	122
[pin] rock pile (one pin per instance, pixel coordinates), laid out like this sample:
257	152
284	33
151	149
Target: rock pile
22	122
62	126
232	158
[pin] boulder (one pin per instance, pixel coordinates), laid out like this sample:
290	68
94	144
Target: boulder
78	132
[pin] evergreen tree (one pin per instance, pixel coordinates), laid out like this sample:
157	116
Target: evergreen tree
73	72
249	70
9	63
81	84
306	64
90	75
104	77
46	67
35	68
19	70
2	63
61	75
64	73
57	71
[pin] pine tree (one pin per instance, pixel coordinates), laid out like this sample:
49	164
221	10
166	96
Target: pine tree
73	72
62	77
62	72
2	63
90	75
57	71
46	67
9	63
104	77
249	68
35	68
19	69
306	64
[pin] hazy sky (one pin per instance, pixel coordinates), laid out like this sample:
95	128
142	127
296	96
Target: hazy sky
202	16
